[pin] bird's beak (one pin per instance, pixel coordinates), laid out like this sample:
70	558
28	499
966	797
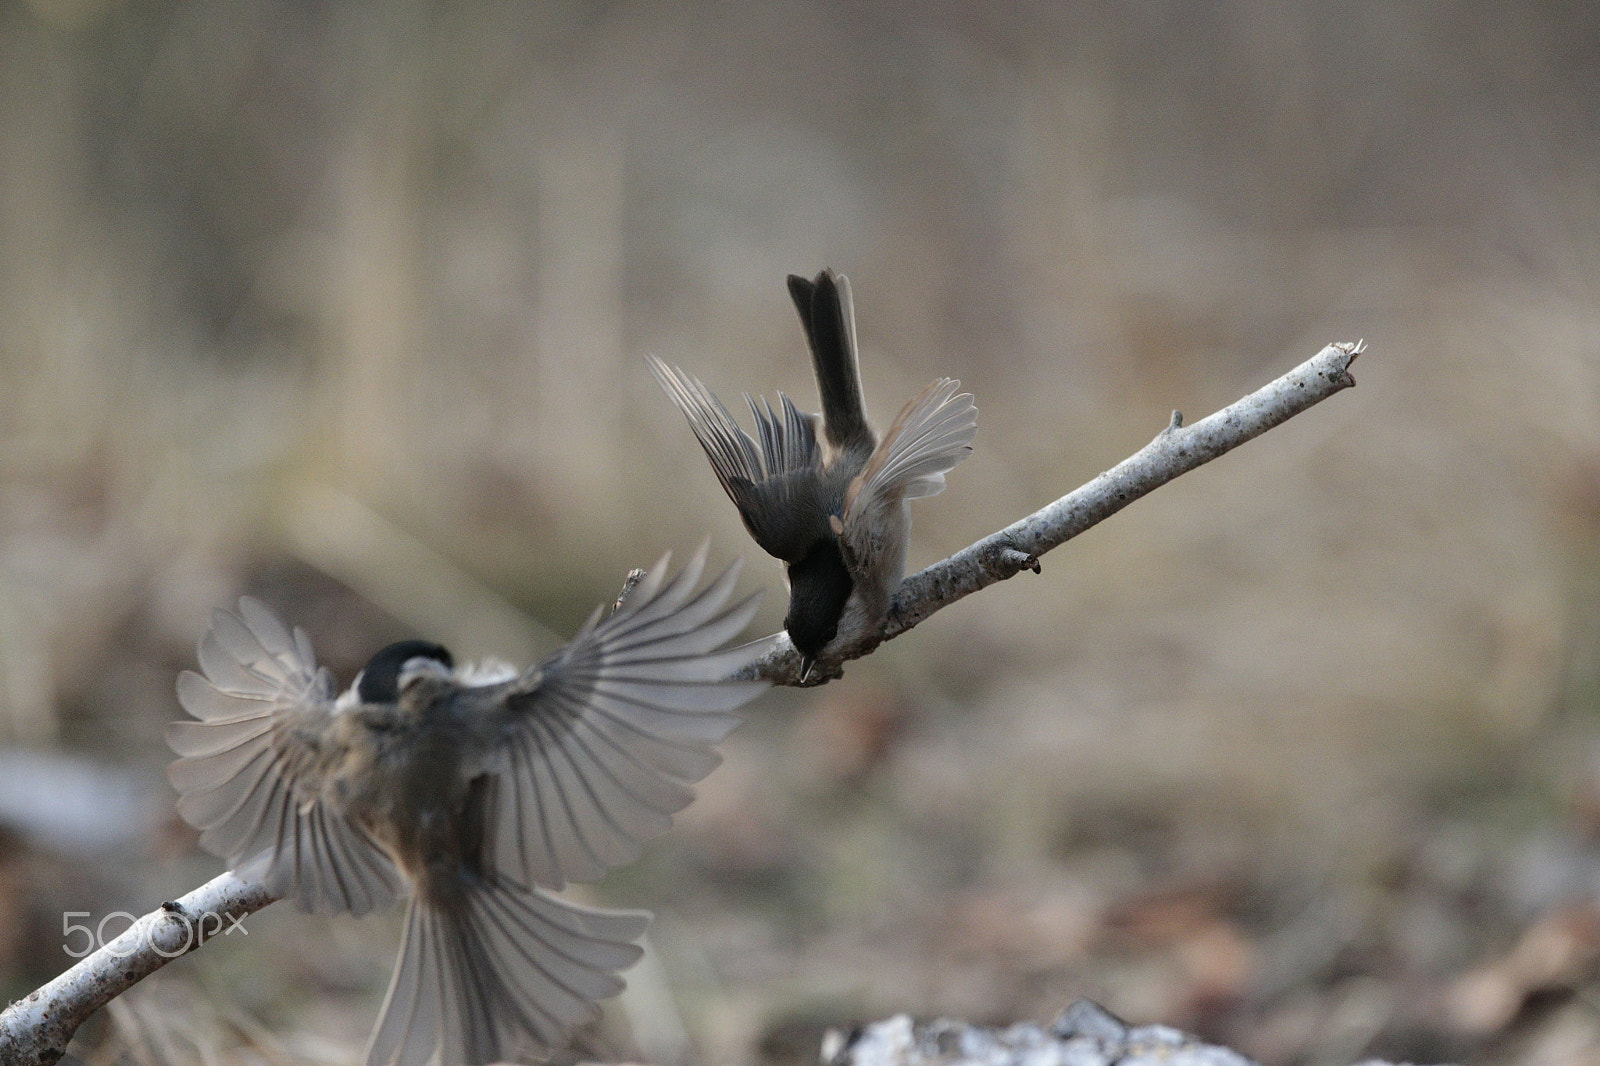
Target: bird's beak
806	663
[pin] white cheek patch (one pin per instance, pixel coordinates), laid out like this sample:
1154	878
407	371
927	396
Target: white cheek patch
348	699
421	666
490	671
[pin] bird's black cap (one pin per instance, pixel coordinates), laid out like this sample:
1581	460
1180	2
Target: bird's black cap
380	678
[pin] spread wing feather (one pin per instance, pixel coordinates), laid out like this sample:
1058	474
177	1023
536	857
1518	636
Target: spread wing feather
251	764
610	733
772	478
932	433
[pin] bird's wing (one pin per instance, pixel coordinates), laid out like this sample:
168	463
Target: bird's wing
250	768
600	744
931	434
772	478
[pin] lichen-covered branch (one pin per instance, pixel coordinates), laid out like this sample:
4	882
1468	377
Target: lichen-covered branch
35	1029
1176	450
1086	1034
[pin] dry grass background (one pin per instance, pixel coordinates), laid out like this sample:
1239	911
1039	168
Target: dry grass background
345	305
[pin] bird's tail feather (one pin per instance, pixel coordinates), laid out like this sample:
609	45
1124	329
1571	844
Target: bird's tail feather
828	314
501	973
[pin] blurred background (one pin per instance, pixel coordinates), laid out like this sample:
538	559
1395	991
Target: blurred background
345	306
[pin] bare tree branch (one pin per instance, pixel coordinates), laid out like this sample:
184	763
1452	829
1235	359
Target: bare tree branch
35	1030
1176	450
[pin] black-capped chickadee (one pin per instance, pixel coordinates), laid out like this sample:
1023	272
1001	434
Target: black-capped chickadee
836	514
469	787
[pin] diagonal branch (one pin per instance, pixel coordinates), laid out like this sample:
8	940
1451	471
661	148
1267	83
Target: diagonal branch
1176	450
35	1029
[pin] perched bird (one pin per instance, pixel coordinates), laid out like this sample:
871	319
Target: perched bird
472	788
835	512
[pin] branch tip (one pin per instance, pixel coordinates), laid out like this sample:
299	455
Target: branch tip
1351	352
629	583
